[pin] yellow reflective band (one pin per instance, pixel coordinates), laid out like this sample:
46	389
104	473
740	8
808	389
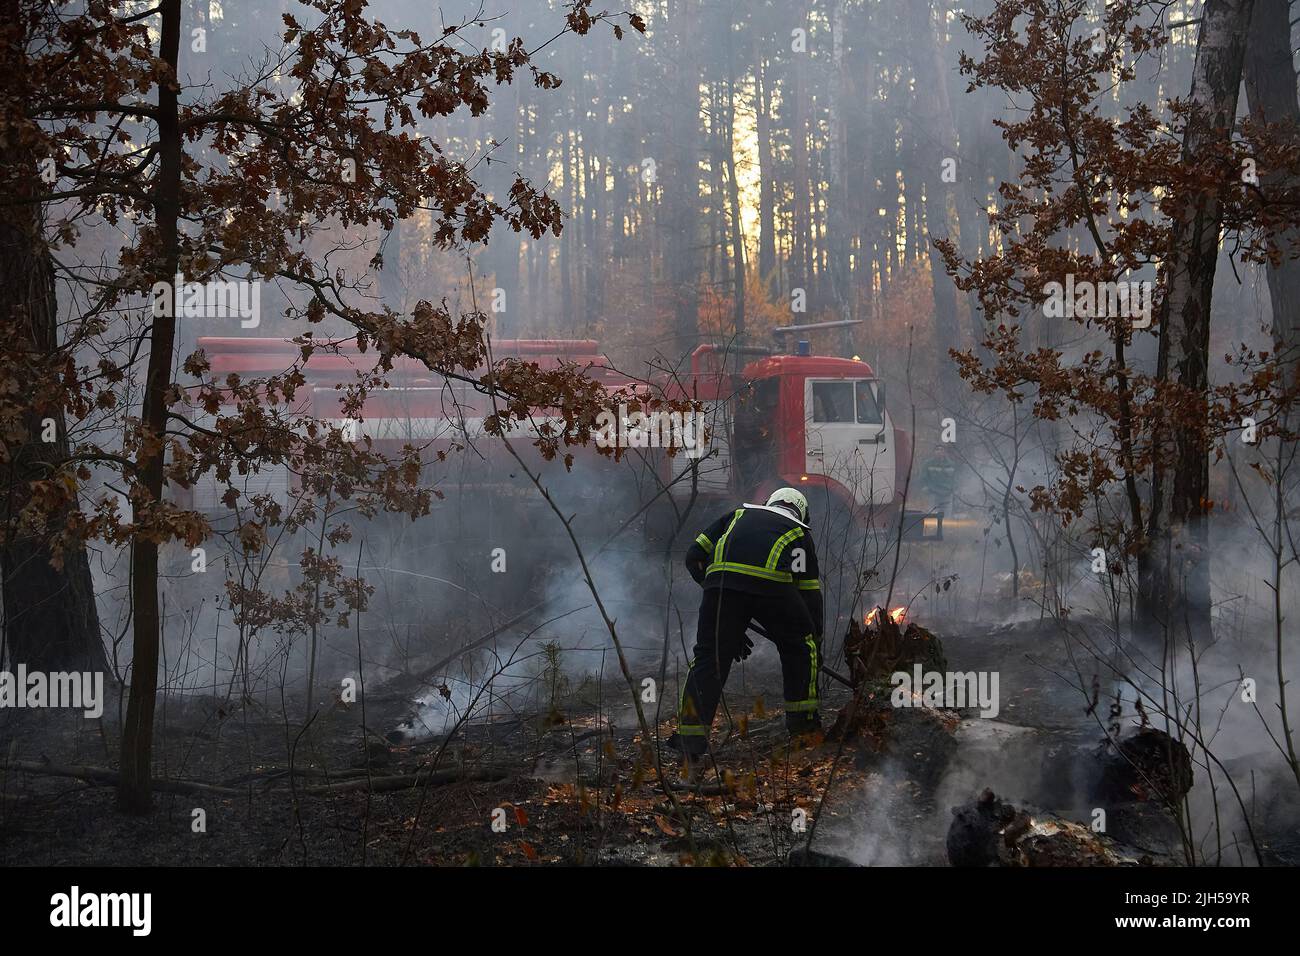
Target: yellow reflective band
774	555
809	584
719	550
681	697
692	730
703	541
813	663
754	572
800	706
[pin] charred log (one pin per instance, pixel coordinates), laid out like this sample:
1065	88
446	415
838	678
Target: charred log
989	831
917	740
883	647
1147	766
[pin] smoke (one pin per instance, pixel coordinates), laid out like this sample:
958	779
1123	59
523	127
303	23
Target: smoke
1221	699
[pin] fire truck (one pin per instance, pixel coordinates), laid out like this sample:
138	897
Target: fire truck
818	423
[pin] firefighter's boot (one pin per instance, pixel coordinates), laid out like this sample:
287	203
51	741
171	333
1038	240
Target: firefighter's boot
805	729
690	758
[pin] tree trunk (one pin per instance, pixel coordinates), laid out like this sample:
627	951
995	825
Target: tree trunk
868	227
134	791
50	620
596	152
733	192
567	238
800	269
1271	96
979	175
767	174
1176	584
392	281
681	181
935	113
719	263
837	200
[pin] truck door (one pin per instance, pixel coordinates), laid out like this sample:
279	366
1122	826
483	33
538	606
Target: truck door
757	438
847	437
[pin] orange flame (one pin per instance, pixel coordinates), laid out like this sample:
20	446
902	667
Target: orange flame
898	615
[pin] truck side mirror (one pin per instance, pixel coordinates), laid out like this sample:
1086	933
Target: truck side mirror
880	395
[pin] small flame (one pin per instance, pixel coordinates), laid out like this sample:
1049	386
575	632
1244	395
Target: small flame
897	615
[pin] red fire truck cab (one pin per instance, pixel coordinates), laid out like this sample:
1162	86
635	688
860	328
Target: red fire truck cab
817	423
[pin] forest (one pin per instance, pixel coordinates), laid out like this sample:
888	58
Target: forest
395	399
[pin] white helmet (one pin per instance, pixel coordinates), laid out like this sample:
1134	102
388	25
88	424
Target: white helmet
792	498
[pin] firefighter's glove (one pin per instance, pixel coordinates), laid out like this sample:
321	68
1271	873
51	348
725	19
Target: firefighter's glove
746	648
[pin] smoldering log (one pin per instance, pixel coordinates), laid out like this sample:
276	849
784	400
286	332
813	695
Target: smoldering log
876	650
917	739
1147	766
990	831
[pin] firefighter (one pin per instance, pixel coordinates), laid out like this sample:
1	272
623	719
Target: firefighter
755	563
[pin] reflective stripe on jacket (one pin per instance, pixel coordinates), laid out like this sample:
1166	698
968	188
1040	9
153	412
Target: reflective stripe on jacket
759	550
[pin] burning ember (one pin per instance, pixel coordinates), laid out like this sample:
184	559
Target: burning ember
898	615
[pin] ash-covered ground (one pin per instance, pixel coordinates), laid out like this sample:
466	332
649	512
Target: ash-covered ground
550	768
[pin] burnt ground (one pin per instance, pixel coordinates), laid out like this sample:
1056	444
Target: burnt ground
573	791
571	783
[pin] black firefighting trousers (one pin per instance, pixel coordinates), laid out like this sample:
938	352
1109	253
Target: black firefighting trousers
724	615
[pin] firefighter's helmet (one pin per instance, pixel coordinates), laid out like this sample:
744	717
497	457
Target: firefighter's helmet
792	498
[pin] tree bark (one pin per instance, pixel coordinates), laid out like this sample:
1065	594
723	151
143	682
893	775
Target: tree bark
837	201
392	281
134	793
767	175
681	181
935	114
567	238
1175	576
1271	97
733	190
868	225
800	269
50	620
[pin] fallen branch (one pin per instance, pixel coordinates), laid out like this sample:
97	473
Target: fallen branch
407	781
705	790
107	777
103	775
269	775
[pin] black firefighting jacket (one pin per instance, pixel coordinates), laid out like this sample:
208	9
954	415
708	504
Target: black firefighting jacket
759	550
